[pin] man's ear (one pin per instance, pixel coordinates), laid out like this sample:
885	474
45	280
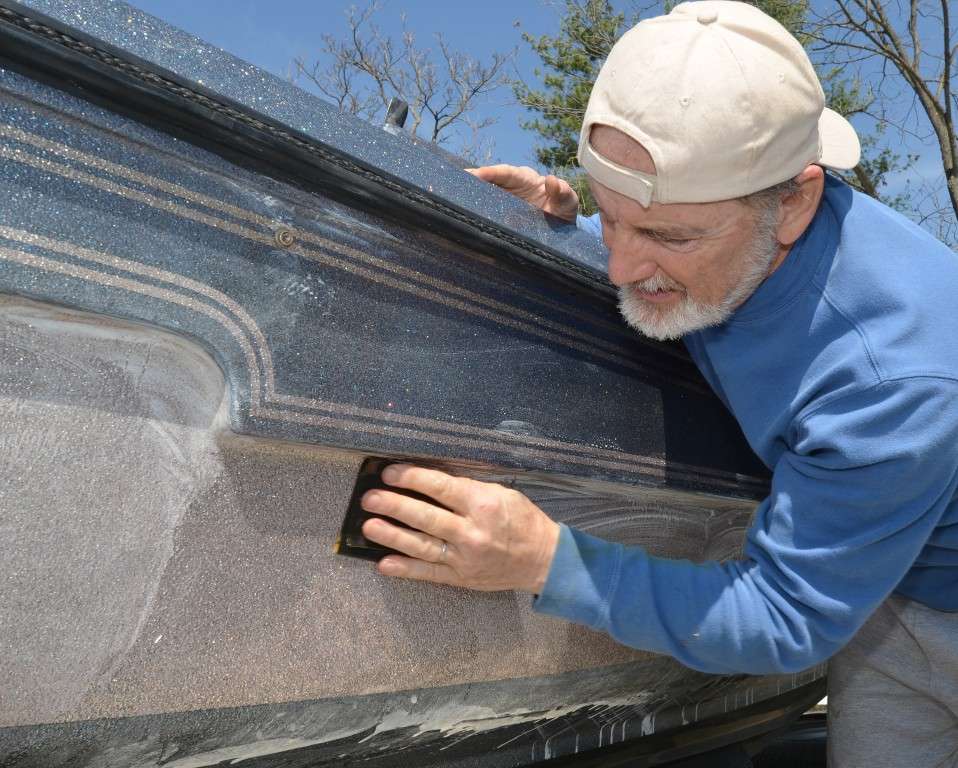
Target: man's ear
799	209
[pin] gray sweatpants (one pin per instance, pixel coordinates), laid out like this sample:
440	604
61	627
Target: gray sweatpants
893	691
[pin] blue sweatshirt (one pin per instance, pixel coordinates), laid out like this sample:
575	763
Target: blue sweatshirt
842	369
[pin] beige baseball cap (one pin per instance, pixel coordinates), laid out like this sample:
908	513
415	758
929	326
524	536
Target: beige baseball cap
722	97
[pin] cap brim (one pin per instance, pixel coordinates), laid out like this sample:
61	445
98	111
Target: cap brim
841	148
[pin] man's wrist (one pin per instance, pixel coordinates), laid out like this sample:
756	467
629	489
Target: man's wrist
550	542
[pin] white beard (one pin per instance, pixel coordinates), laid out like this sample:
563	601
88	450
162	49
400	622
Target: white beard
673	322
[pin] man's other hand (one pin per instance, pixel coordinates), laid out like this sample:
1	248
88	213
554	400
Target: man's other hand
550	193
495	538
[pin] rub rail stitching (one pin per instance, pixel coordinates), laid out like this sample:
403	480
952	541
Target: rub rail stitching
67	41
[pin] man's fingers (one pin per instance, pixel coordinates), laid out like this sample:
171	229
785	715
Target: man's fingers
417	514
416	544
500	175
563	201
408	568
451	492
553	188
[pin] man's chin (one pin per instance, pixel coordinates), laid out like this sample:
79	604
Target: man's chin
667	322
654	330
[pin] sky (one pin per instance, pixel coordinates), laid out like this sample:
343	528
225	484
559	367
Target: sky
270	34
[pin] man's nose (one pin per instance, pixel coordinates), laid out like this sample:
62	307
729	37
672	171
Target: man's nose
630	266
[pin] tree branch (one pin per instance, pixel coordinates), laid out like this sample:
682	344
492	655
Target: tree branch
361	72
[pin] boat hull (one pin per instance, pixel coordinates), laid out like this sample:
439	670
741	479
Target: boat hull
199	348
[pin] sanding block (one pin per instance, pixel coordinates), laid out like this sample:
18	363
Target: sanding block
351	541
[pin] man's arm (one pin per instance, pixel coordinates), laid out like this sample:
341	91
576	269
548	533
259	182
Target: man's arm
851	506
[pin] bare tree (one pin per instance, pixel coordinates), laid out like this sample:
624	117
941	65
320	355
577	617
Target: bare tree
364	70
906	50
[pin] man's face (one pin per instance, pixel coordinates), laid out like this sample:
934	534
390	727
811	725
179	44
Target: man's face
679	267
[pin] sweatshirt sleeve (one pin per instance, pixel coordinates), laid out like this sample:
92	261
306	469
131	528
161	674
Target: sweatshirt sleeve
852	503
590	224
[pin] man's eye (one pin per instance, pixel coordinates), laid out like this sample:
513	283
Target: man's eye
666	240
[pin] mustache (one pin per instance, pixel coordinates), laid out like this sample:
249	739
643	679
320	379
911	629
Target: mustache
658	282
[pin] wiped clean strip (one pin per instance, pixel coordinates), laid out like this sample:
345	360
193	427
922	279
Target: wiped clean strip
251	217
71	270
620	461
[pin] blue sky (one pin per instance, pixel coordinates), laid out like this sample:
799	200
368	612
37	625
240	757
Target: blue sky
270	34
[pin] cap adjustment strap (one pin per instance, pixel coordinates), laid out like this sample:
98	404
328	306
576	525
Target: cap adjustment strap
626	181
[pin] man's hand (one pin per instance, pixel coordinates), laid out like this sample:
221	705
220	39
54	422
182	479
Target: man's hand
550	193
495	538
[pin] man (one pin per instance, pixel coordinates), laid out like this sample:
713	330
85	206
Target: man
825	322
